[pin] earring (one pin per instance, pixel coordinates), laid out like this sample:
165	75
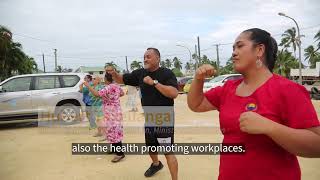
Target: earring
258	63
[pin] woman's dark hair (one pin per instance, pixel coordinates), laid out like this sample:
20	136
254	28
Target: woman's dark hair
259	36
89	77
108	77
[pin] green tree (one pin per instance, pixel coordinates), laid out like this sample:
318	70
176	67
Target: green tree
195	59
112	64
317	39
162	63
285	61
177	72
177	63
206	60
59	69
228	68
188	66
312	56
168	63
13	60
5	45
136	65
289	38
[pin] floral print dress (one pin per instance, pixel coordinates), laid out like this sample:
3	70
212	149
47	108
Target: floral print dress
113	129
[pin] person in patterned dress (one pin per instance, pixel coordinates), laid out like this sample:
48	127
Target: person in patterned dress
113	129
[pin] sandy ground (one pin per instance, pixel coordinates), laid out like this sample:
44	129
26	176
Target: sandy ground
45	153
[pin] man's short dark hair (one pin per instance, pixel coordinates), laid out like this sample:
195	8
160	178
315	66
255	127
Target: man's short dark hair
155	50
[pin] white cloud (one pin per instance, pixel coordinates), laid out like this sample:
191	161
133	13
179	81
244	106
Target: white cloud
90	29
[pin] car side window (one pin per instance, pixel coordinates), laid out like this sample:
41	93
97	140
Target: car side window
17	84
47	82
70	80
228	78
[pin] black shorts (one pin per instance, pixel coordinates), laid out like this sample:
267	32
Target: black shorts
156	136
159	126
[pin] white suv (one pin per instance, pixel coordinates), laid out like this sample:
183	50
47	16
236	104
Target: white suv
26	97
219	81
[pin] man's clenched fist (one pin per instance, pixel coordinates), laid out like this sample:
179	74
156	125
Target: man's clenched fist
148	80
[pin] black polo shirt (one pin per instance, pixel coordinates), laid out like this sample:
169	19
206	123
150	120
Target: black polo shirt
150	95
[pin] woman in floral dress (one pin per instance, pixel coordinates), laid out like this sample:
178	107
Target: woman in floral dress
113	129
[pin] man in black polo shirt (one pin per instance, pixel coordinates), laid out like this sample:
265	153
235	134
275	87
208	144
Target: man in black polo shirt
158	89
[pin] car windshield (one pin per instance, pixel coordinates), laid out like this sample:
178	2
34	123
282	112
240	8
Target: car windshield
217	79
207	80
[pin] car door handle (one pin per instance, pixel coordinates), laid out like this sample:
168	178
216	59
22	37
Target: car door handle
27	94
56	93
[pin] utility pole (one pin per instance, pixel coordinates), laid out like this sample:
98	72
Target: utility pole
199	49
218	62
127	64
196	54
299	45
44	65
55	60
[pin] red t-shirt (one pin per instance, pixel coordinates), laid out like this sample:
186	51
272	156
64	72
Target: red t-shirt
279	100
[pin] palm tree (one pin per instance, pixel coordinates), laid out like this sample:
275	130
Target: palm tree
206	60
5	40
15	61
317	38
285	61
177	63
162	64
228	68
12	59
312	55
59	69
5	44
188	66
136	65
289	38
112	64
168	63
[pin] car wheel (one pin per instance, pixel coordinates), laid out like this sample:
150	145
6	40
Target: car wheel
309	82
316	96
314	90
68	113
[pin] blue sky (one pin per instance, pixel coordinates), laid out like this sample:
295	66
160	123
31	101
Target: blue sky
93	32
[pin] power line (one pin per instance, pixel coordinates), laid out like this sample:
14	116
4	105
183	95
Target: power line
279	34
306	28
138	57
34	38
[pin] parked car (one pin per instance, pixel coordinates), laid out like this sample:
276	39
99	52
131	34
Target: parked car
187	86
26	96
219	81
181	82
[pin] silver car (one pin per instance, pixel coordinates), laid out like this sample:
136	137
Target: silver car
27	97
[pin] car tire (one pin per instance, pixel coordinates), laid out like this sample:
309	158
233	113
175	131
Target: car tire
68	114
309	83
316	96
314	90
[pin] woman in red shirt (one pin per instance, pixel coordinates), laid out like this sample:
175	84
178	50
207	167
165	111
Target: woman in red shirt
271	115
